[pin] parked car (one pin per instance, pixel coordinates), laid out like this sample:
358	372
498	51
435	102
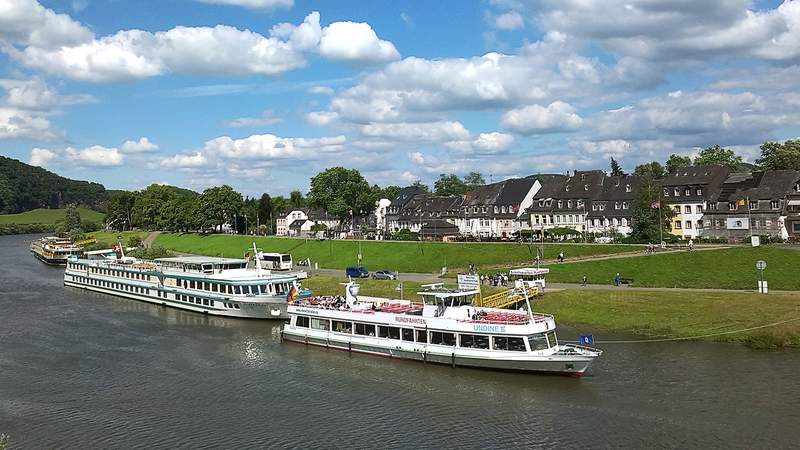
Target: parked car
357	272
384	275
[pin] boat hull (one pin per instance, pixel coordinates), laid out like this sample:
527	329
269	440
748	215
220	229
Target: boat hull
571	365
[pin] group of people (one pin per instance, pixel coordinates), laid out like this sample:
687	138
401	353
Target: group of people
498	279
327	301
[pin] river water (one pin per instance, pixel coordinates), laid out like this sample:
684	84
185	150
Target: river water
88	370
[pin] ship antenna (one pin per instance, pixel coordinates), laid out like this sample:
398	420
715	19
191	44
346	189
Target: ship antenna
258	263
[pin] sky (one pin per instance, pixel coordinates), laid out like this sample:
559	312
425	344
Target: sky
264	94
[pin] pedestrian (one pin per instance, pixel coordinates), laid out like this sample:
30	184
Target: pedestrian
691	245
584	281
561	257
617	279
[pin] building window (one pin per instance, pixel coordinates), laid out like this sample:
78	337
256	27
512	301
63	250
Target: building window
560	204
628	188
496	209
616	205
625	205
585	187
687	192
731	206
773	204
687	209
753	205
569	203
688	224
699	191
797	187
676	192
699	209
677	224
666	192
699	224
624	222
677	209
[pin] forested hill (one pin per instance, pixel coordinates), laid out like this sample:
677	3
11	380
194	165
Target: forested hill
24	187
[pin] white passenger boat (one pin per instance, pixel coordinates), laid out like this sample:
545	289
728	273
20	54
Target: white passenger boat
445	329
54	250
209	285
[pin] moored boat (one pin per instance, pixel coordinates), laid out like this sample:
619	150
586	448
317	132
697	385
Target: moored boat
54	250
216	286
446	329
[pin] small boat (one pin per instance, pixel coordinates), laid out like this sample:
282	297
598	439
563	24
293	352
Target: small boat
446	328
216	286
54	250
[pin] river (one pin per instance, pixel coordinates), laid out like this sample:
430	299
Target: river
87	370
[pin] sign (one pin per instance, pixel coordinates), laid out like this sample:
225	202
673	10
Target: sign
762	287
737	223
761	265
755	240
468	282
586	339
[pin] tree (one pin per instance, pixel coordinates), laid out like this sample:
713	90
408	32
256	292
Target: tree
338	190
72	219
264	212
218	205
419	184
653	170
449	184
473	180
717	155
390	192
296	199
646	215
120	211
777	156
675	161
616	170
279	206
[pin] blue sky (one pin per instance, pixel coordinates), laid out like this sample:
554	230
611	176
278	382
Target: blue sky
263	94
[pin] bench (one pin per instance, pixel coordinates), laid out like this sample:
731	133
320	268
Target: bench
627	281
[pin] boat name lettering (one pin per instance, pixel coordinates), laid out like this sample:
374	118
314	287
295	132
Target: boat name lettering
307	311
410	320
490	328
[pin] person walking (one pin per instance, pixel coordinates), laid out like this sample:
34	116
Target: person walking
561	257
617	279
584	281
691	245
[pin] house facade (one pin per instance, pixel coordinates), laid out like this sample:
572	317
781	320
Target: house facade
688	191
497	210
391	217
298	222
426	208
755	203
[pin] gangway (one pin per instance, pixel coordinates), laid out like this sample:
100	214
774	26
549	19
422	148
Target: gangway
505	299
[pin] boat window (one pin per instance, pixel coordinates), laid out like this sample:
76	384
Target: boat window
262	288
473	341
514	344
422	336
191	284
538	342
320	324
301	321
551	336
440	338
408	334
365	329
237	289
236	306
215	287
389	332
342	327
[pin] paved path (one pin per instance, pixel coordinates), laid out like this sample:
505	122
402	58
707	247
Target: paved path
148	241
578	259
561	286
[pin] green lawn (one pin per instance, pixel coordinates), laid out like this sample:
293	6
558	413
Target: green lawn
109	238
732	268
49	216
679	314
400	256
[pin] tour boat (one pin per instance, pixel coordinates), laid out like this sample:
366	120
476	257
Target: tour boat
216	286
446	328
54	250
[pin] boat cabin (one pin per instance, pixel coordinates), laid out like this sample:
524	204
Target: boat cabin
529	276
437	299
201	264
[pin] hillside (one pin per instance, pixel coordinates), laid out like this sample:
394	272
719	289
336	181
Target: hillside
49	216
24	187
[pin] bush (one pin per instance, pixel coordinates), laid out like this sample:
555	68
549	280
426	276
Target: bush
405	235
134	241
25	228
89	226
151	253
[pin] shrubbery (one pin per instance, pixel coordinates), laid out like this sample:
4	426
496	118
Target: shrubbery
25	228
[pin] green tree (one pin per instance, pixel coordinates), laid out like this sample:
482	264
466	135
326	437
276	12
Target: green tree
218	205
449	184
650	221
653	170
473	180
777	156
120	211
338	190
296	199
390	192
616	170
279	207
149	206
72	218
717	155
264	212
421	185
675	161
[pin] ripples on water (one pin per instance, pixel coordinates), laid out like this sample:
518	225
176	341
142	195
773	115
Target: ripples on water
87	370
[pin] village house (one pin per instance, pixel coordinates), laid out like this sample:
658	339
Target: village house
611	211
792	213
564	201
299	222
753	204
428	209
391	218
497	210
688	191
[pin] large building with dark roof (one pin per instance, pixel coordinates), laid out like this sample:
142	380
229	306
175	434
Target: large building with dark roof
497	210
756	203
688	190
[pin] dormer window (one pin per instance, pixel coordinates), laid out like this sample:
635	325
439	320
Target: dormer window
797	187
560	204
566	188
731	206
628	188
687	192
616	205
624	205
569	203
583	177
666	192
753	205
585	187
676	192
549	202
699	191
541	203
773	204
496	209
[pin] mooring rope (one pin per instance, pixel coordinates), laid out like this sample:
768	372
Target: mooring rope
688	338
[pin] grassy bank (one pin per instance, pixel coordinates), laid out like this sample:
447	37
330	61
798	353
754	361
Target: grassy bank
400	256
680	314
109	238
48	216
733	268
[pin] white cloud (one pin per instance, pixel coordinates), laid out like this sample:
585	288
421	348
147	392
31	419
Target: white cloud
535	119
406	19
35	94
253	4
41	157
413	131
188	161
416	157
15	123
27	22
267	118
484	144
511	20
321	90
321	118
142	145
269	146
94	156
355	41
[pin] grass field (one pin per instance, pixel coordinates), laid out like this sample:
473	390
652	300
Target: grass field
732	268
400	256
109	238
680	314
49	216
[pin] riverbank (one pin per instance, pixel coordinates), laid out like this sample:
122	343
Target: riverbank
650	314
392	255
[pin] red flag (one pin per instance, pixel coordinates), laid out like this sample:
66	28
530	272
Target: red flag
292	294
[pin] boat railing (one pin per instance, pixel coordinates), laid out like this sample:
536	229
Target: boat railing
582	348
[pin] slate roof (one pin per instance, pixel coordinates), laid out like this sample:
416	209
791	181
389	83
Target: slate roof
696	175
431	206
761	187
405	195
